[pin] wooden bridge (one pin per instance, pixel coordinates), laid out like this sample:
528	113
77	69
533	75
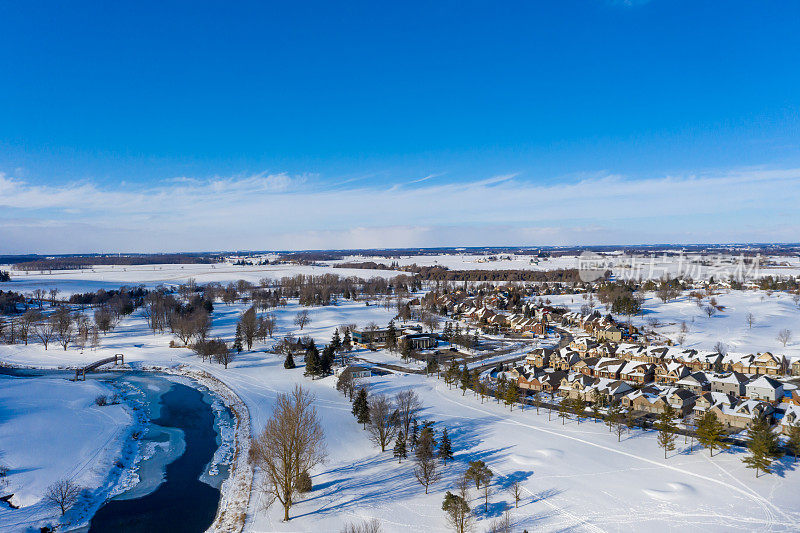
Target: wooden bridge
80	373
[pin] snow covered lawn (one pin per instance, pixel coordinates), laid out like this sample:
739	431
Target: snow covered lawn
51	429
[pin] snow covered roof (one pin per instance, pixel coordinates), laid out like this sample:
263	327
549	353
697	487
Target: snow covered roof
765	382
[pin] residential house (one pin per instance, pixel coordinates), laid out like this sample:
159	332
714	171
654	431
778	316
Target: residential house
743	413
764	388
671	372
681	400
608	333
637	372
768	364
586	366
790	418
729	383
695	382
366	337
707	400
539	357
609	368
564	359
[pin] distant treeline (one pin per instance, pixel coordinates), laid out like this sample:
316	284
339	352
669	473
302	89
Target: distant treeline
367	265
438	273
441	273
75	263
309	257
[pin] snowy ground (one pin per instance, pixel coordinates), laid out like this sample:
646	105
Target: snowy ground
772	312
642	266
111	277
51	429
576	476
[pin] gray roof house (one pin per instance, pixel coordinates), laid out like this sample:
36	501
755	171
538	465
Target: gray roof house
764	388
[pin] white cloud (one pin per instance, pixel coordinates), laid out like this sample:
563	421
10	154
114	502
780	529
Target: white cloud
279	211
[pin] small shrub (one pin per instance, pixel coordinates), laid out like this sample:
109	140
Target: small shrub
304	482
101	400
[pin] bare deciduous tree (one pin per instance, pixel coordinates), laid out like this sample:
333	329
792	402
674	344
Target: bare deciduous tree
430	321
292	442
302	319
515	490
269	323
750	320
784	336
501	525
408	405
63	494
372	525
64	324
45	331
426	470
248	323
26	322
382	426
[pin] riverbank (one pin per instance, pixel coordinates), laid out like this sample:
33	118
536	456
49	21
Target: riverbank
235	490
123	461
53	429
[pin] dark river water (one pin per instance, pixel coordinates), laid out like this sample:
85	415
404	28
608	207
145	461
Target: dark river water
175	492
182	502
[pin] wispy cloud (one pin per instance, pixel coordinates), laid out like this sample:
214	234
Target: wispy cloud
265	211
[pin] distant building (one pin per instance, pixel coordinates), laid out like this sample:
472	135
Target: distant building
366	337
357	371
421	341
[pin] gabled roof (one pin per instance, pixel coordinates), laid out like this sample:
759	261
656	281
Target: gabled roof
765	382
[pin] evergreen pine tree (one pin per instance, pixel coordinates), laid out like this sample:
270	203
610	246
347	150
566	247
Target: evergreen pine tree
359	401
445	448
347	343
326	360
793	440
666	430
400	447
466	377
414	433
362	414
336	341
391	336
313	363
763	445
511	394
289	362
710	432
237	342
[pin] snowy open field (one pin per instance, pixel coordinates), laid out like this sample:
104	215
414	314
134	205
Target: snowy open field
642	266
51	429
576	476
111	277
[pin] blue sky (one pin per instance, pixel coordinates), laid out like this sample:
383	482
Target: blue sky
192	126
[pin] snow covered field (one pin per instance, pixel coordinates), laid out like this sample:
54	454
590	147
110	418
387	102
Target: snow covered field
70	282
111	277
641	266
51	429
575	476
